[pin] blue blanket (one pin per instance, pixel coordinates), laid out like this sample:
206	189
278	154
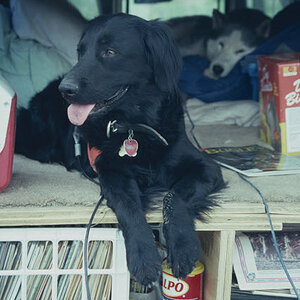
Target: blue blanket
237	85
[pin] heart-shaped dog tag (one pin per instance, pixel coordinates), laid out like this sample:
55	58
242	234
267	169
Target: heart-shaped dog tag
129	147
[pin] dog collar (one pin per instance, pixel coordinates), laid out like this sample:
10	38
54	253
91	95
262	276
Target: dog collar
114	127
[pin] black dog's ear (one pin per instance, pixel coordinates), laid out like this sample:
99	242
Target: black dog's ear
163	56
217	19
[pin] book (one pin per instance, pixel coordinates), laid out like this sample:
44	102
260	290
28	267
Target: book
14	281
256	264
253	295
255	160
3	254
76	249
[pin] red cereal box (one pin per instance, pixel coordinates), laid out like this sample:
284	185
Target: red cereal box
279	94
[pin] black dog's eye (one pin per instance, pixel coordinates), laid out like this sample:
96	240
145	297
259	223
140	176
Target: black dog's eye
109	52
240	51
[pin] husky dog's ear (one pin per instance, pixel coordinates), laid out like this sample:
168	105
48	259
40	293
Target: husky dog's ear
163	56
217	19
264	29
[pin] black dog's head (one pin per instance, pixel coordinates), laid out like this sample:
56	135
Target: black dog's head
117	53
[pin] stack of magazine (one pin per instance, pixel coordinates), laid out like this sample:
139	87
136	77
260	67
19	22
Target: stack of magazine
255	160
40	257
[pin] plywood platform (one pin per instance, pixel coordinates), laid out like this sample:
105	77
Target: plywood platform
42	194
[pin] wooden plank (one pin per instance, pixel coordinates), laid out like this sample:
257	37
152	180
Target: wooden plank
254	218
233	207
284	208
80	215
216	250
238	222
239	208
229	265
237	226
286	219
54	216
210	242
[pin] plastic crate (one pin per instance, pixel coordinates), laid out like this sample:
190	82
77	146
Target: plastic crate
25	243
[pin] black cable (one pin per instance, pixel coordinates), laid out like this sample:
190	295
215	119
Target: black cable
85	246
192	124
85	252
77	153
266	209
77	149
85	174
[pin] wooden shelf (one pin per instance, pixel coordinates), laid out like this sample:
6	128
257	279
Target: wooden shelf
41	195
37	216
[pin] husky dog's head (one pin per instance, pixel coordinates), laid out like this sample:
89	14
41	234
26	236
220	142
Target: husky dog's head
234	35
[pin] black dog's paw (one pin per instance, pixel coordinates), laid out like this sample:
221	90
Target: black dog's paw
144	262
183	251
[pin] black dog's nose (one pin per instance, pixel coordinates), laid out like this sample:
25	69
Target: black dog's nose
68	88
218	70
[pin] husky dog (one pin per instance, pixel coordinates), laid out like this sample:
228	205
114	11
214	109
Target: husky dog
222	39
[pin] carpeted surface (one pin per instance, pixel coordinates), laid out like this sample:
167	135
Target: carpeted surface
36	184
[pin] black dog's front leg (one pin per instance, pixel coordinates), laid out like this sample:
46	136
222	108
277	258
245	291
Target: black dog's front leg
189	198
123	197
182	242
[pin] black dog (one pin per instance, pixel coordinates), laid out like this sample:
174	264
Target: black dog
123	95
44	132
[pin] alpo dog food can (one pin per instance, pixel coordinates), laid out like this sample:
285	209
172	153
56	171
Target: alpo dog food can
189	288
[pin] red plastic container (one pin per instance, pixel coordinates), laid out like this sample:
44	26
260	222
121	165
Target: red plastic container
8	101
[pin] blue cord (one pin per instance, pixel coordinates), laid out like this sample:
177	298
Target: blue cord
266	209
273	235
243	178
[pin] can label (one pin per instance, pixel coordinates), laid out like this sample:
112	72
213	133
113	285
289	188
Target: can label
173	287
189	288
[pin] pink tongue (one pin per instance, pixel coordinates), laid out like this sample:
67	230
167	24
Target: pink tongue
78	113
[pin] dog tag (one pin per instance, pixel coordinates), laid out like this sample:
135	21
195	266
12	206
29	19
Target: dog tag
129	146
